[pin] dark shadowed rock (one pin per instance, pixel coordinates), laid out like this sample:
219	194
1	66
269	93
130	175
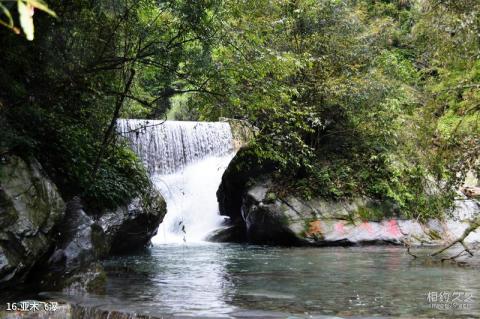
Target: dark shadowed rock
242	170
30	206
263	223
132	226
80	241
227	234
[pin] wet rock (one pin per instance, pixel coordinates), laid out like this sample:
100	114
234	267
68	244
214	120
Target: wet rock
241	171
80	241
30	206
132	226
227	234
92	280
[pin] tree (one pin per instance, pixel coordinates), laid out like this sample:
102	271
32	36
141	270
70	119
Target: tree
332	87
62	93
447	38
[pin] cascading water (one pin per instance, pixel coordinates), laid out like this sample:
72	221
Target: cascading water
186	161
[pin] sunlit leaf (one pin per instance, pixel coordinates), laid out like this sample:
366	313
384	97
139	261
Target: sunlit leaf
26	18
41	5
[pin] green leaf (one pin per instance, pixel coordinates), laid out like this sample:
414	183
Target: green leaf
6	12
41	5
26	18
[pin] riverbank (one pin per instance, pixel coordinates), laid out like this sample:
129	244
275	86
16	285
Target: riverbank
263	210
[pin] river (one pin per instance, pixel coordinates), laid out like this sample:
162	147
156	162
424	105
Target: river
242	281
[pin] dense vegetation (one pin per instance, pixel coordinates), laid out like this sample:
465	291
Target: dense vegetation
61	93
374	97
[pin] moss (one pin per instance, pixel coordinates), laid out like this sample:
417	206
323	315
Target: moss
8	215
242	131
98	282
99	241
285	220
369	213
270	197
434	234
375	211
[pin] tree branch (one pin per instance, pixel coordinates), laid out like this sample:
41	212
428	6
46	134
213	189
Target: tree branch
109	131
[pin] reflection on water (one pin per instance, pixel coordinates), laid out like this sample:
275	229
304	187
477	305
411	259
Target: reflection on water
226	280
177	279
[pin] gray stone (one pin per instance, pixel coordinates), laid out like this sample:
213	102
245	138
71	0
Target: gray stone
132	226
30	206
90	280
81	240
321	222
247	196
242	132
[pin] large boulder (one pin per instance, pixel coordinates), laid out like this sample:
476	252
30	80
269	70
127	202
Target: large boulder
46	241
30	207
132	226
290	220
259	214
80	241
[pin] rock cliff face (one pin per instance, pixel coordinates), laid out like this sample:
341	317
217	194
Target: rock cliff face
259	215
58	241
30	207
291	220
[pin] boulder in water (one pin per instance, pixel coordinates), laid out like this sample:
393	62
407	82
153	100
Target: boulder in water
80	241
132	226
320	222
263	216
232	190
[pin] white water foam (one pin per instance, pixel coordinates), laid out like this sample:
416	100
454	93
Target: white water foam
186	161
191	201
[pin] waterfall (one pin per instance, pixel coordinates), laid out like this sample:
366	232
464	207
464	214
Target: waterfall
185	161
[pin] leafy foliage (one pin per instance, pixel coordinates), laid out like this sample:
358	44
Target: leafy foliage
342	92
373	97
61	93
